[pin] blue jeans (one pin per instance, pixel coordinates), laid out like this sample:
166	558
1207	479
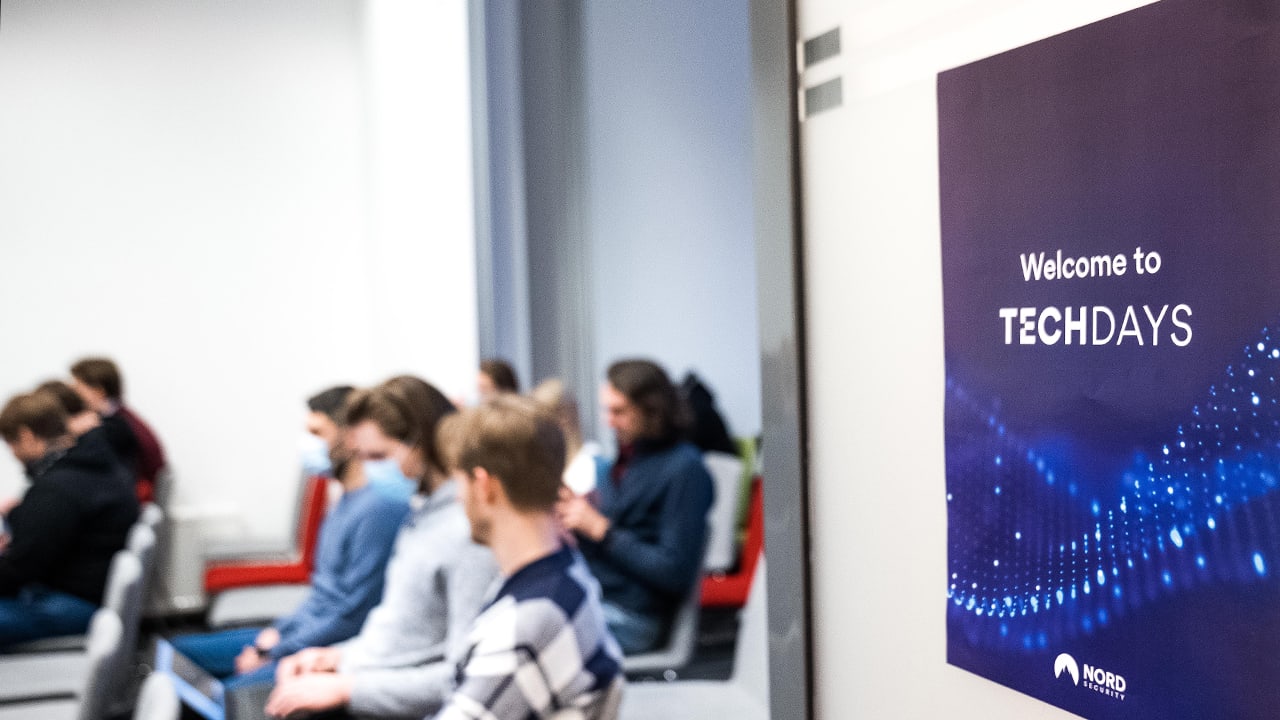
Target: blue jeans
216	652
38	612
634	632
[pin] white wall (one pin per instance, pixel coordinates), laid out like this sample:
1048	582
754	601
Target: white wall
422	223
241	202
669	220
875	351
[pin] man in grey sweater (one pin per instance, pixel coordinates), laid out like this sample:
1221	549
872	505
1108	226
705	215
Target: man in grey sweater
402	663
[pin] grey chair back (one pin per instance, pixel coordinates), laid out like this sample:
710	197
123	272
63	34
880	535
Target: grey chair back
681	641
722	531
122	582
157	515
152	516
744	696
142	543
158	699
105	650
124	599
162	493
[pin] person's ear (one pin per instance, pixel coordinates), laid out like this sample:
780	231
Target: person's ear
485	486
26	438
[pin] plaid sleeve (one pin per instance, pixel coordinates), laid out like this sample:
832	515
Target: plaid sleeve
500	677
524	660
540	651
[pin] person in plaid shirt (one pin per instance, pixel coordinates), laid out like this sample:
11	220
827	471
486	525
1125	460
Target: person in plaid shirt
540	648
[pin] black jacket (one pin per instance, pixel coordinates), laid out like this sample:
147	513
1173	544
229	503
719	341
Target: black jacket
122	439
72	520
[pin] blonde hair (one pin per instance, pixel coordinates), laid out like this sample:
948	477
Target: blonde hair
515	441
556	400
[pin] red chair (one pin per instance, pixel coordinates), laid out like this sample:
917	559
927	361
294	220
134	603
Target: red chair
730	590
223	575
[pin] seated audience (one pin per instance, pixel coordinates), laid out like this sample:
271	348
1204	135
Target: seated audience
496	377
63	533
402	663
646	539
98	381
540	648
346	583
584	463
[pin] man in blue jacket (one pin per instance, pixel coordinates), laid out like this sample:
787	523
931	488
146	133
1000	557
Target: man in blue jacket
351	558
644	541
62	535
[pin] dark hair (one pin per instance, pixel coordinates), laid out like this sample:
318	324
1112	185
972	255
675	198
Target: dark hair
405	408
515	441
665	414
68	398
330	402
100	373
501	373
38	412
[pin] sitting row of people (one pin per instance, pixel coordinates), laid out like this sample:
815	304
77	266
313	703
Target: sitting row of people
89	460
488	485
398	662
637	537
456	569
60	538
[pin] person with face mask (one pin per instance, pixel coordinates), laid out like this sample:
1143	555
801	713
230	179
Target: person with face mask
73	518
323	424
402	663
351	556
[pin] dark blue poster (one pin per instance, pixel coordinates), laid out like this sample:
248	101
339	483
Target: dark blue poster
1110	203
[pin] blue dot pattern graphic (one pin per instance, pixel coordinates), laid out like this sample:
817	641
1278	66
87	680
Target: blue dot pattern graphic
1032	560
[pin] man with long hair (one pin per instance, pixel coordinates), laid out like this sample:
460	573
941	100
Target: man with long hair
645	539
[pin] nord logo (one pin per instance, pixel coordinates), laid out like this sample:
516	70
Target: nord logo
1068	663
1095	678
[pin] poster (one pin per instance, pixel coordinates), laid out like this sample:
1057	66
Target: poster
1110	204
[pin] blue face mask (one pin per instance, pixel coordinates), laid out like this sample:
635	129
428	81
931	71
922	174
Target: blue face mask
314	454
386	479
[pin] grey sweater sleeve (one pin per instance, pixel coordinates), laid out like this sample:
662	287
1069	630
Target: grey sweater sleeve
419	691
412	692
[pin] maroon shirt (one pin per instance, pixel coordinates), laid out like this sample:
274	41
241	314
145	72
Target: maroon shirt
150	454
